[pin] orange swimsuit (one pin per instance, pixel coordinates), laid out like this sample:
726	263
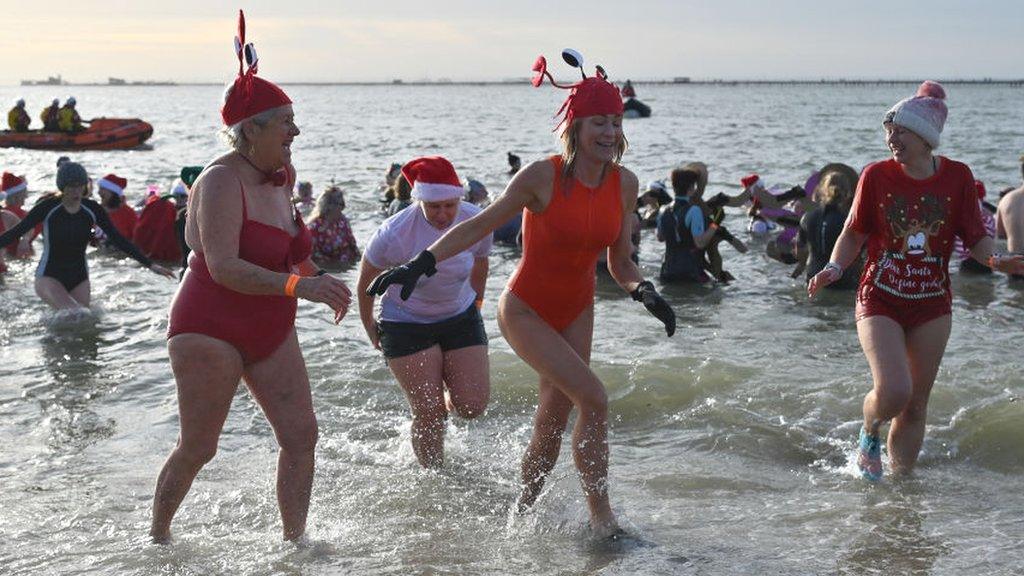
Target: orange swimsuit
561	244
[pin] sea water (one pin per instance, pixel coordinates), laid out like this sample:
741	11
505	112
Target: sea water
730	443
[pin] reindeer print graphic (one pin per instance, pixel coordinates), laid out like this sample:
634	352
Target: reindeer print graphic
913	264
917	222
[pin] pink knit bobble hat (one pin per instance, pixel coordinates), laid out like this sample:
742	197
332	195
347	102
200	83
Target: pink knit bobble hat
924	113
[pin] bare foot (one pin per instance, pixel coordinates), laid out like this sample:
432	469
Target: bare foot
602	519
162	539
607	529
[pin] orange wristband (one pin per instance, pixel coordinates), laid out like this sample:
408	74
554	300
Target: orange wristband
479	303
713	226
289	286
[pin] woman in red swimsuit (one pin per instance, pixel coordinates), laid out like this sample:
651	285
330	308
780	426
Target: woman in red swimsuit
574	206
908	210
233	316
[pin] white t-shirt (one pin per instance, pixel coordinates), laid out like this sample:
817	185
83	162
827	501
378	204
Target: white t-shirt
445	294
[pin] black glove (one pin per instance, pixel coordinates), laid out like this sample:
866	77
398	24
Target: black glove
407	275
723	234
656	305
794	193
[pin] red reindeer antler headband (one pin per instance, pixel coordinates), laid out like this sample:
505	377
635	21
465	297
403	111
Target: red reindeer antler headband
593	96
250	94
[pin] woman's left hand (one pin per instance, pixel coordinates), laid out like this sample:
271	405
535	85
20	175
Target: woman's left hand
1007	263
162	270
656	305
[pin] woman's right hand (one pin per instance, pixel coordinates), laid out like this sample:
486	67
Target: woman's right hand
829	274
373	333
328	290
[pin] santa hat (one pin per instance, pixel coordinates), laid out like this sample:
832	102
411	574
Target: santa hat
113	183
433	179
593	96
249	95
923	114
11	184
750	180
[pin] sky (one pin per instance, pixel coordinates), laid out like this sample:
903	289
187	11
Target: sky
349	41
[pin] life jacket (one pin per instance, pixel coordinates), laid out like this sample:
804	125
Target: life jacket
17	120
155	232
67	119
49	118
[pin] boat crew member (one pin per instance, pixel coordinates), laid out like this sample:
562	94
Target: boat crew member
68	119
49	116
18	119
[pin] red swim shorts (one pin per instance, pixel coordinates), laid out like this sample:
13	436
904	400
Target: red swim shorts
907	313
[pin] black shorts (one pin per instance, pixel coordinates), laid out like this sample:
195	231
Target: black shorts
399	339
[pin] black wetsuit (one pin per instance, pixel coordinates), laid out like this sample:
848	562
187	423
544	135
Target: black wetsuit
65	237
683	260
820	229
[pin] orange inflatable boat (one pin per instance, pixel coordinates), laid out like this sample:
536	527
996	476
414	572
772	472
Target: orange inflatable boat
101	134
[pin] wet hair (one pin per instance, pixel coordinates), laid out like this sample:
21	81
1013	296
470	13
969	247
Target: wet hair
332	191
702	171
835	189
234	135
394	171
570	145
402	190
683	179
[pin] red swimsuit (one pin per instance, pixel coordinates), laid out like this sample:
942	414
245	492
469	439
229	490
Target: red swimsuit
256	325
561	244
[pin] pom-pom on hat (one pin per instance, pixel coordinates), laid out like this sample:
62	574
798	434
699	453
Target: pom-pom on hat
593	96
433	179
750	180
113	183
923	114
11	184
250	94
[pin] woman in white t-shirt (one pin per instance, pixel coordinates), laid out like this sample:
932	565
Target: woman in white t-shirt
433	339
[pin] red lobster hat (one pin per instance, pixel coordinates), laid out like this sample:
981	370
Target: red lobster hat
593	96
250	95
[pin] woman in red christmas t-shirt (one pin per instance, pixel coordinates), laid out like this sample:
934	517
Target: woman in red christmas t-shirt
908	210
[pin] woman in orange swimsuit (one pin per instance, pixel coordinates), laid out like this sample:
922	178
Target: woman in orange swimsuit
574	206
908	209
234	315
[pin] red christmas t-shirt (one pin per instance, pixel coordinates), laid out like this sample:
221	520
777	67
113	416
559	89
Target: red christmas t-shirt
910	226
